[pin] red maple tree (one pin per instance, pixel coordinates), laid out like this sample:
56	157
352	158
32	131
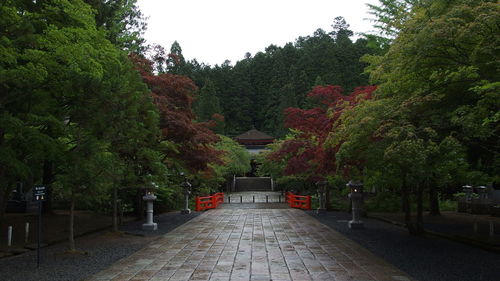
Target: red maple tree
306	153
174	96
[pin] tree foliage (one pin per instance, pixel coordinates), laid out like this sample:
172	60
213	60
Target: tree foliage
72	106
415	129
255	90
307	152
190	142
431	125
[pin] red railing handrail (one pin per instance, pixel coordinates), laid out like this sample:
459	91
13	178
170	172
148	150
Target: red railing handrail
298	201
209	202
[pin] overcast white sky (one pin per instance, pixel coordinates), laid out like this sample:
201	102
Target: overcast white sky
215	30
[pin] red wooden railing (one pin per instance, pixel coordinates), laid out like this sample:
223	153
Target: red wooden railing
209	202
298	201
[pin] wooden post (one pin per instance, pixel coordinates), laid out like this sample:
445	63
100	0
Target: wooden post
26	232
197	204
9	236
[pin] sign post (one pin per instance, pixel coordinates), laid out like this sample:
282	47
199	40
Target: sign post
39	195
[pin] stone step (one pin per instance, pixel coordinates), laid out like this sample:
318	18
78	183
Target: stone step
253	184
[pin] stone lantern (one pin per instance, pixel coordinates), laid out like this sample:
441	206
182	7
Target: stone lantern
356	196
481	204
186	186
468	192
463	202
483	192
321	187
149	197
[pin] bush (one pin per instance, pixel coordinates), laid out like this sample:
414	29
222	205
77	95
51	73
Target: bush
383	202
338	200
448	205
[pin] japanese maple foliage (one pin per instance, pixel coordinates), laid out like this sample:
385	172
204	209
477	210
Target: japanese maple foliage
307	153
174	96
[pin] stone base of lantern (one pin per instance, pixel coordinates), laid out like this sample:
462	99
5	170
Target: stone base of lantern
150	226
355	225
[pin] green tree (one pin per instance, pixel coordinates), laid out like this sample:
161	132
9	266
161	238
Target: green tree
175	61
123	22
436	68
207	103
73	105
287	100
34	82
391	15
235	161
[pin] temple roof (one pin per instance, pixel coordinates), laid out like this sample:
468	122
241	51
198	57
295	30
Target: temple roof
254	134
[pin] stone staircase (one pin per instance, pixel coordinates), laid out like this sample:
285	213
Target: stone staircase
253	184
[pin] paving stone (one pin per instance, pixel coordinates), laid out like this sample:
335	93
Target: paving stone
252	244
123	277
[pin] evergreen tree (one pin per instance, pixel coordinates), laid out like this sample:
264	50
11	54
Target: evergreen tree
207	103
123	22
287	100
176	64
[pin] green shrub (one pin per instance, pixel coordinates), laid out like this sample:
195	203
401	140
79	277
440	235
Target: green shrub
448	205
383	202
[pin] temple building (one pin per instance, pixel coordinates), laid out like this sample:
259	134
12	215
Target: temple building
254	140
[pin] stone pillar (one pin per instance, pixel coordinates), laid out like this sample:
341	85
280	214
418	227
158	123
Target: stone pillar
321	186
149	225
356	197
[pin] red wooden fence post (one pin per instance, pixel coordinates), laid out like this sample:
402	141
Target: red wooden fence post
197	203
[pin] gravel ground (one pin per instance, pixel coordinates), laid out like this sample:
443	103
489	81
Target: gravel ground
424	258
102	249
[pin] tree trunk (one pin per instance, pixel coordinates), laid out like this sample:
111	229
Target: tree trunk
434	202
419	229
405	197
139	205
4	185
3	202
72	247
5	192
115	208
47	180
327	199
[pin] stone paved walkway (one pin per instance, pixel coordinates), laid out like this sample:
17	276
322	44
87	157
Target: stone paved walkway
252	244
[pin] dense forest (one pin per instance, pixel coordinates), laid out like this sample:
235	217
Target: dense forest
94	114
256	90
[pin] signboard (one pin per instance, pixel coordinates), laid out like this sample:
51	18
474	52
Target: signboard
39	193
